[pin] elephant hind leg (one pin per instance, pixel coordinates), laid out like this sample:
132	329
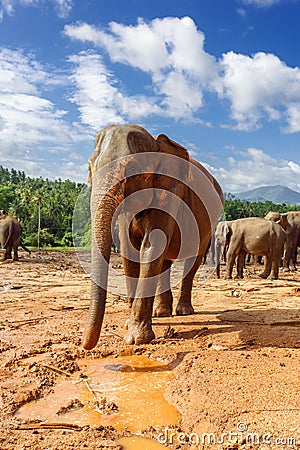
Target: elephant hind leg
184	305
268	265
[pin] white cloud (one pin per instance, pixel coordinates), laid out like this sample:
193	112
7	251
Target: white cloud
98	99
261	87
30	124
62	7
170	50
261	3
257	169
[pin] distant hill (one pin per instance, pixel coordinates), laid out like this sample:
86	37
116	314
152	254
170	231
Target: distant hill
275	194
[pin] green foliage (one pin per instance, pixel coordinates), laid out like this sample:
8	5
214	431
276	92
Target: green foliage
54	201
67	240
236	209
28	197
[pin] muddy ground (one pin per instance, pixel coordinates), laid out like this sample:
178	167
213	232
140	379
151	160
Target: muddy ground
235	361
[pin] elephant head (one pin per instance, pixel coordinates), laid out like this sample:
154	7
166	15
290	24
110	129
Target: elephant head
126	171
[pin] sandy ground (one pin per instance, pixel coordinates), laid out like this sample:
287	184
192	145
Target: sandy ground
235	362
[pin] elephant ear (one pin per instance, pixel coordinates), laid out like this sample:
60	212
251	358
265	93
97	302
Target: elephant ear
166	145
178	173
95	156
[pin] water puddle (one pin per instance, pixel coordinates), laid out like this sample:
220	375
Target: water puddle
124	392
139	443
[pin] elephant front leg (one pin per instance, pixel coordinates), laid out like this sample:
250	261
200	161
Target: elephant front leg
164	298
241	264
184	305
140	322
229	265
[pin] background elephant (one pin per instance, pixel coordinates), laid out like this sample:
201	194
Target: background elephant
151	205
290	221
221	240
259	237
273	215
10	236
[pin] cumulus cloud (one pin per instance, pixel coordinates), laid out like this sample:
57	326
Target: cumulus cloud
98	99
27	118
254	169
170	50
181	74
261	87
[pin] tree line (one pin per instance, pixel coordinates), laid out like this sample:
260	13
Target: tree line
45	208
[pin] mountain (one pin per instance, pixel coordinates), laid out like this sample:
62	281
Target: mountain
275	194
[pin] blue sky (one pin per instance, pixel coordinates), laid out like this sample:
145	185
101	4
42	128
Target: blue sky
221	77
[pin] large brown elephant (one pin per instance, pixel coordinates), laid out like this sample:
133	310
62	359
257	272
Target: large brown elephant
146	179
290	221
257	236
10	236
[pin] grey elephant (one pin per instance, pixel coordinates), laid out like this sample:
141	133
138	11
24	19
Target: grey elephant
290	221
146	180
221	240
259	237
10	236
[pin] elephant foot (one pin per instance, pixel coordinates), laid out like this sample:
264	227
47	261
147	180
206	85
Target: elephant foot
138	334
163	304
263	275
273	277
162	311
286	269
184	309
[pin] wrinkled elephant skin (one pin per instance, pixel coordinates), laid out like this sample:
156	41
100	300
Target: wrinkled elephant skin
257	236
149	234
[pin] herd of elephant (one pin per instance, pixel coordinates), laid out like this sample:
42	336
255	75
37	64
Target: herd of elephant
276	237
156	193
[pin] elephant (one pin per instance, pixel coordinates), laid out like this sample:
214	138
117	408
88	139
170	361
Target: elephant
221	238
290	221
146	180
273	215
257	236
10	236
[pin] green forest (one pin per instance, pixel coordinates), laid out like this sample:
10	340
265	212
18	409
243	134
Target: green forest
48	206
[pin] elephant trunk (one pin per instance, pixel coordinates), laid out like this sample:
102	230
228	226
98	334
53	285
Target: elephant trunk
101	249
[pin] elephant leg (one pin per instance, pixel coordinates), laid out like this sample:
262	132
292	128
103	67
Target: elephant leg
286	258
15	248
241	263
164	297
275	271
140	320
8	252
131	270
267	269
184	305
229	264
130	265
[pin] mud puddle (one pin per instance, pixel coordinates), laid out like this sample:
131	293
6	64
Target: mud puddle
125	392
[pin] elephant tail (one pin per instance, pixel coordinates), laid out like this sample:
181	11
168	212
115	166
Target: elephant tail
10	232
25	248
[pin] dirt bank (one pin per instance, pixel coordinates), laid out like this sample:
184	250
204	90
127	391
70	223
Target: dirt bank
235	361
